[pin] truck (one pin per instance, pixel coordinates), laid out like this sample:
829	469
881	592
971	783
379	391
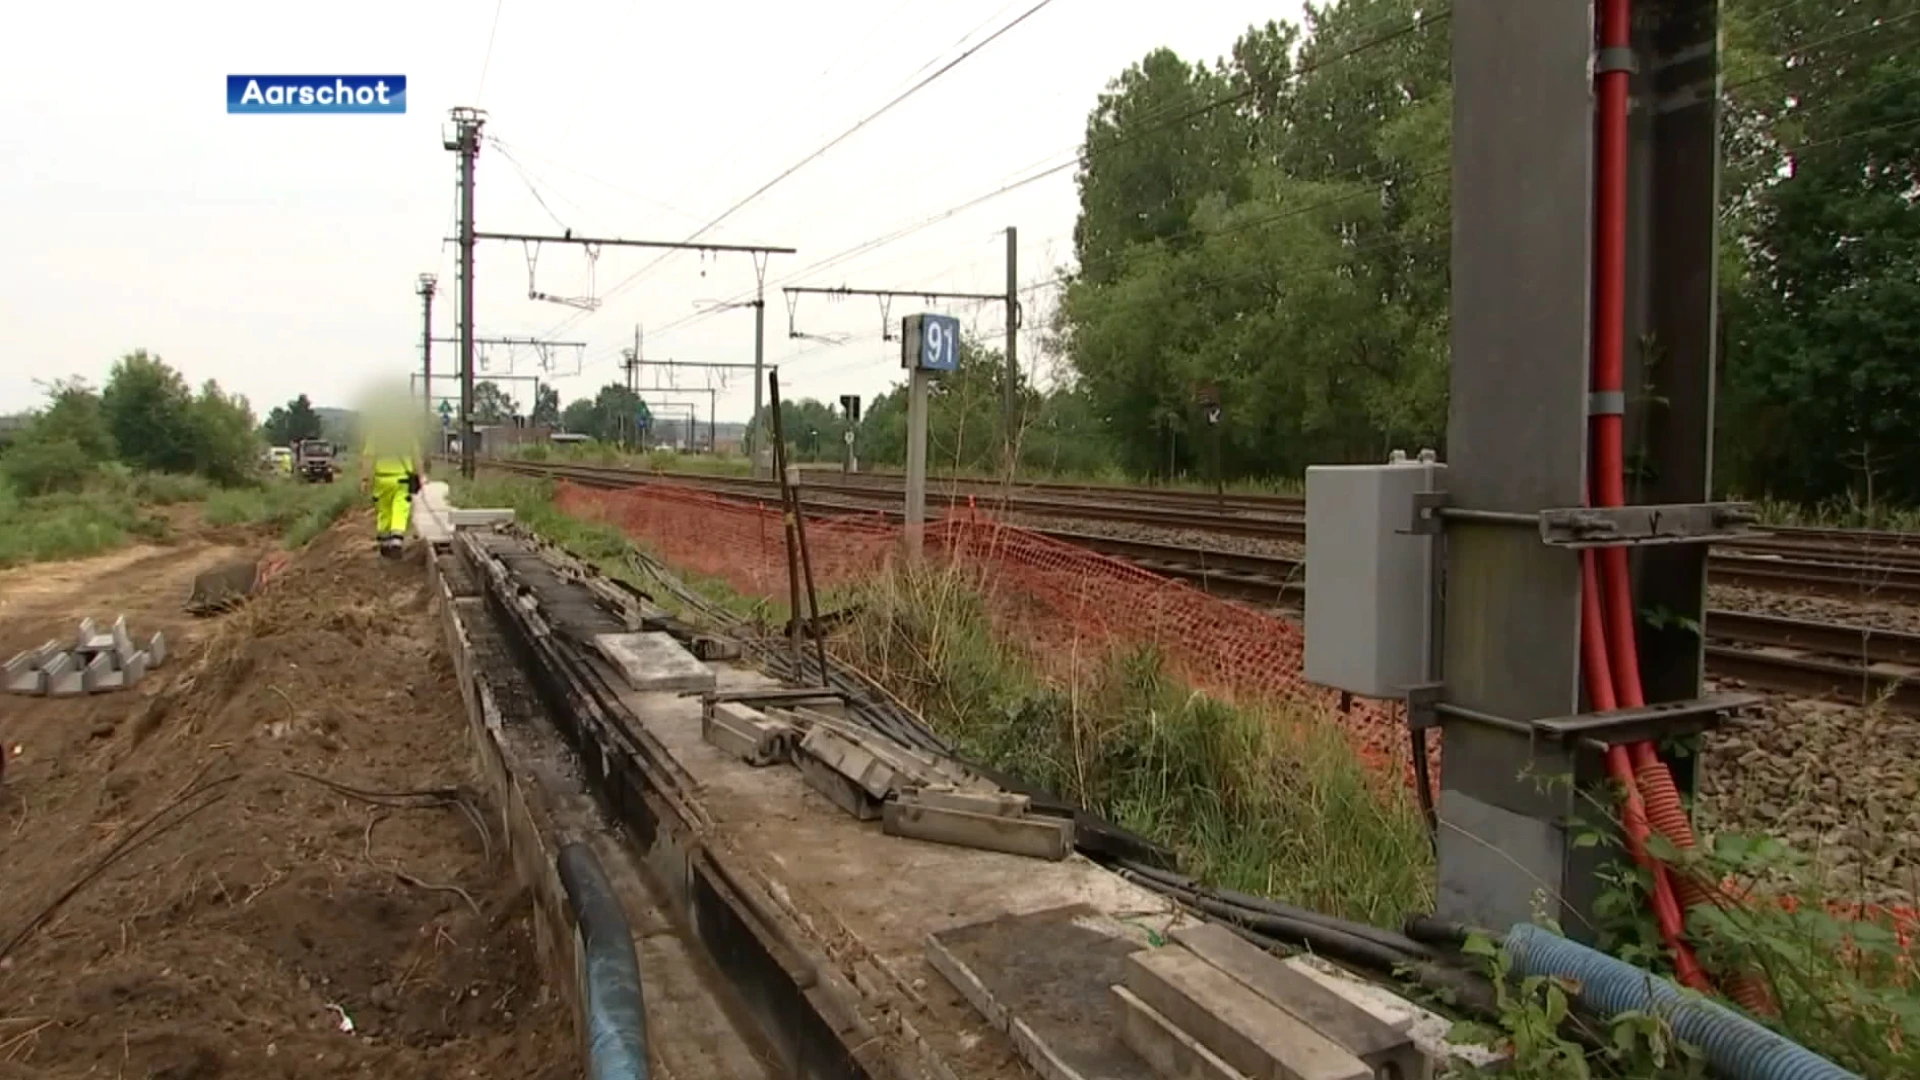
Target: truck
313	461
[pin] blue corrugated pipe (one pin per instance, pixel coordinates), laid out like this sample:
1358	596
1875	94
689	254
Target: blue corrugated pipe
1734	1045
616	1017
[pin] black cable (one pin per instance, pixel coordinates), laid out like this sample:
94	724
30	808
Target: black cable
1423	782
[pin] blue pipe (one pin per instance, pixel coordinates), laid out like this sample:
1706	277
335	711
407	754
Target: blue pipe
616	1017
1734	1045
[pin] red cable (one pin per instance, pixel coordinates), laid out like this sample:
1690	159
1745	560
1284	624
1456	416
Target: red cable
1607	590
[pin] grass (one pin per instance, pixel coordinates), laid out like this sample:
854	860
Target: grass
300	511
70	525
1265	801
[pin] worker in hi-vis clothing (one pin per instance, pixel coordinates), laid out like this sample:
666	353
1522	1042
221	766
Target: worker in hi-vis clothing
390	471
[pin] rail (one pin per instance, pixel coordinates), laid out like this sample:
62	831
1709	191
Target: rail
1794	656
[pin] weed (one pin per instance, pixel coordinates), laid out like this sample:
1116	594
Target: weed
1269	801
69	525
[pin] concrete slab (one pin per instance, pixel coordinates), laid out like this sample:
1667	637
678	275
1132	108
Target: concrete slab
1390	1053
1227	1017
24	675
747	734
430	513
948	797
157	649
654	661
1043	978
821	866
1037	838
1173	1053
65	677
100	674
839	789
478	518
1429	1030
859	760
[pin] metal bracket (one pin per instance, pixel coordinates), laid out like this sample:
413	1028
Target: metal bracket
1617	58
1423	700
1647	721
1592	526
1677	523
1427	506
1425	709
1607	403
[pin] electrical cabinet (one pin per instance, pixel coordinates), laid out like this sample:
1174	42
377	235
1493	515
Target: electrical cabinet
1370	578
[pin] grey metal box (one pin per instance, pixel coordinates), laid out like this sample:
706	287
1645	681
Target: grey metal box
1369	578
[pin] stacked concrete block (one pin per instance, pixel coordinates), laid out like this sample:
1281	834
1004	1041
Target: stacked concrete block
98	661
746	733
1211	1004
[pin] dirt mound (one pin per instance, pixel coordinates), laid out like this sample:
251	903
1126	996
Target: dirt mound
277	864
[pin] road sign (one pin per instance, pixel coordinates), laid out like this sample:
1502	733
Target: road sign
446	415
847	436
930	342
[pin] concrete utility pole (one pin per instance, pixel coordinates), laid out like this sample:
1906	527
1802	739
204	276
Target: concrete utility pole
425	288
1009	421
465	142
631	364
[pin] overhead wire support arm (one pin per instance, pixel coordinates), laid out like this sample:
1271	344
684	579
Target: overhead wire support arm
611	241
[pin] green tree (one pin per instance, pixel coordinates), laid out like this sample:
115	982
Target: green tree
579	417
291	422
546	406
491	404
225	446
149	411
1821	394
1277	228
73	414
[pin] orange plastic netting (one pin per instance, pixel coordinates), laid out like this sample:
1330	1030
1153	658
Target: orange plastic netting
1069	597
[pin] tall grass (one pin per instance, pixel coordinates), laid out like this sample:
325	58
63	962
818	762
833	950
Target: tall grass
299	511
1271	801
69	525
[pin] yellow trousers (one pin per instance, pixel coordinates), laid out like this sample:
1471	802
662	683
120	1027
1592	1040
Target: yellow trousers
393	504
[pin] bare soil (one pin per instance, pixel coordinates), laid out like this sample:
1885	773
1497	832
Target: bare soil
270	859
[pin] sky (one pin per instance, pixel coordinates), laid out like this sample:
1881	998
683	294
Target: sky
279	254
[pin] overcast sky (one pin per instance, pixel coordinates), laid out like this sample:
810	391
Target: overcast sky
278	254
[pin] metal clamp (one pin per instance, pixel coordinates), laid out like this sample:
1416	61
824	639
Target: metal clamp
1615	58
1647	721
1674	523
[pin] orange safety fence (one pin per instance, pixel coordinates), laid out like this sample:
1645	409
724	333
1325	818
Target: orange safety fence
1066	599
1067	595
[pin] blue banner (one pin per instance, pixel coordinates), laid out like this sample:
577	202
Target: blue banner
316	93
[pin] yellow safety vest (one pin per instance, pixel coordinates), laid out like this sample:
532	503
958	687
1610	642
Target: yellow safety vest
389	464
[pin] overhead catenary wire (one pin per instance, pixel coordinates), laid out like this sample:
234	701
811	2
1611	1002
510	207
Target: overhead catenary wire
824	149
1147	125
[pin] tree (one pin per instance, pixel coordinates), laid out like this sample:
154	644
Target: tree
1821	394
224	444
579	417
492	405
294	421
149	411
546	406
73	414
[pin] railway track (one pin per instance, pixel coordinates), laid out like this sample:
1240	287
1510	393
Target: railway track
1818	562
1795	656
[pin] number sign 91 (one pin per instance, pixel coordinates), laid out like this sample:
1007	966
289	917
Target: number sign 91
939	342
